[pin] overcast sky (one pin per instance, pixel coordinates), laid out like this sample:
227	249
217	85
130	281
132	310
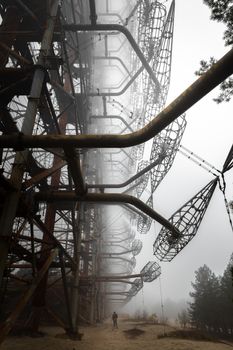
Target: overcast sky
208	134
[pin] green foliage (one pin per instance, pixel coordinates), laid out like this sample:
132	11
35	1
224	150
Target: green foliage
212	305
226	87
221	11
206	294
227	297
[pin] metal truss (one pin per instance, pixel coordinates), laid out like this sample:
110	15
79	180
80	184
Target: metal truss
142	182
156	39
71	89
41	102
144	223
187	219
150	271
166	143
136	287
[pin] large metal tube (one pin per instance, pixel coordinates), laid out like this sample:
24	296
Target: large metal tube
202	86
131	179
123	30
105	198
112	117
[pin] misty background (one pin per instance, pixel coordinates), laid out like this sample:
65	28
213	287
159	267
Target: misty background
209	135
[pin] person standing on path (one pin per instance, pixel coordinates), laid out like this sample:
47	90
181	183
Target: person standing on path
114	320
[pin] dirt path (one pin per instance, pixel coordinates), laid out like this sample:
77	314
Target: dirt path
102	337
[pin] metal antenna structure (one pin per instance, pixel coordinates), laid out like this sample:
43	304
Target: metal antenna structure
83	87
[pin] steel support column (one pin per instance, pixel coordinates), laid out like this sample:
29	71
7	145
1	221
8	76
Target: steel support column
11	203
8	324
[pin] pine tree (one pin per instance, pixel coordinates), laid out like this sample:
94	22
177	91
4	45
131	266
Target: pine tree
227	298
221	11
204	310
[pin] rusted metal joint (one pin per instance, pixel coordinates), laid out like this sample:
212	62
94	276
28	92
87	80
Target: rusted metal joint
19	144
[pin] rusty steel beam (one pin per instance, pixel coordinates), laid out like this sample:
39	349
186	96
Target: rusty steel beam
71	326
51	239
54	315
202	86
14	54
11	203
8	324
74	165
105	198
20	279
43	175
27	238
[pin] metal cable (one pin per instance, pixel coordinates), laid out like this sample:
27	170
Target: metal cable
222	188
199	161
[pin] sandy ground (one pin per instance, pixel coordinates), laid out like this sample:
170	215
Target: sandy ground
102	337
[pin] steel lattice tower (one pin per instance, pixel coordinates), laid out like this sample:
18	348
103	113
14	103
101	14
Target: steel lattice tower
83	87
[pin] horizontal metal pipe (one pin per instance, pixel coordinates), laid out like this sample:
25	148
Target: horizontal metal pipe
115	293
43	175
133	210
202	86
113	277
109	255
116	281
123	90
131	179
105	198
113	58
116	300
109	117
123	30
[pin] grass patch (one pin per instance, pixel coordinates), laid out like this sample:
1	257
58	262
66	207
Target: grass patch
187	334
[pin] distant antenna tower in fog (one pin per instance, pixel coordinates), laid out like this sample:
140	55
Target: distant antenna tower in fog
85	141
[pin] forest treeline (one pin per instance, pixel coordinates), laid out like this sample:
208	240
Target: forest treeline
211	308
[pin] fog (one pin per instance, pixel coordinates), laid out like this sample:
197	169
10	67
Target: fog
208	134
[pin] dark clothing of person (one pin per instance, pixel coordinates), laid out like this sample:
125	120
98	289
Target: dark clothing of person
114	319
